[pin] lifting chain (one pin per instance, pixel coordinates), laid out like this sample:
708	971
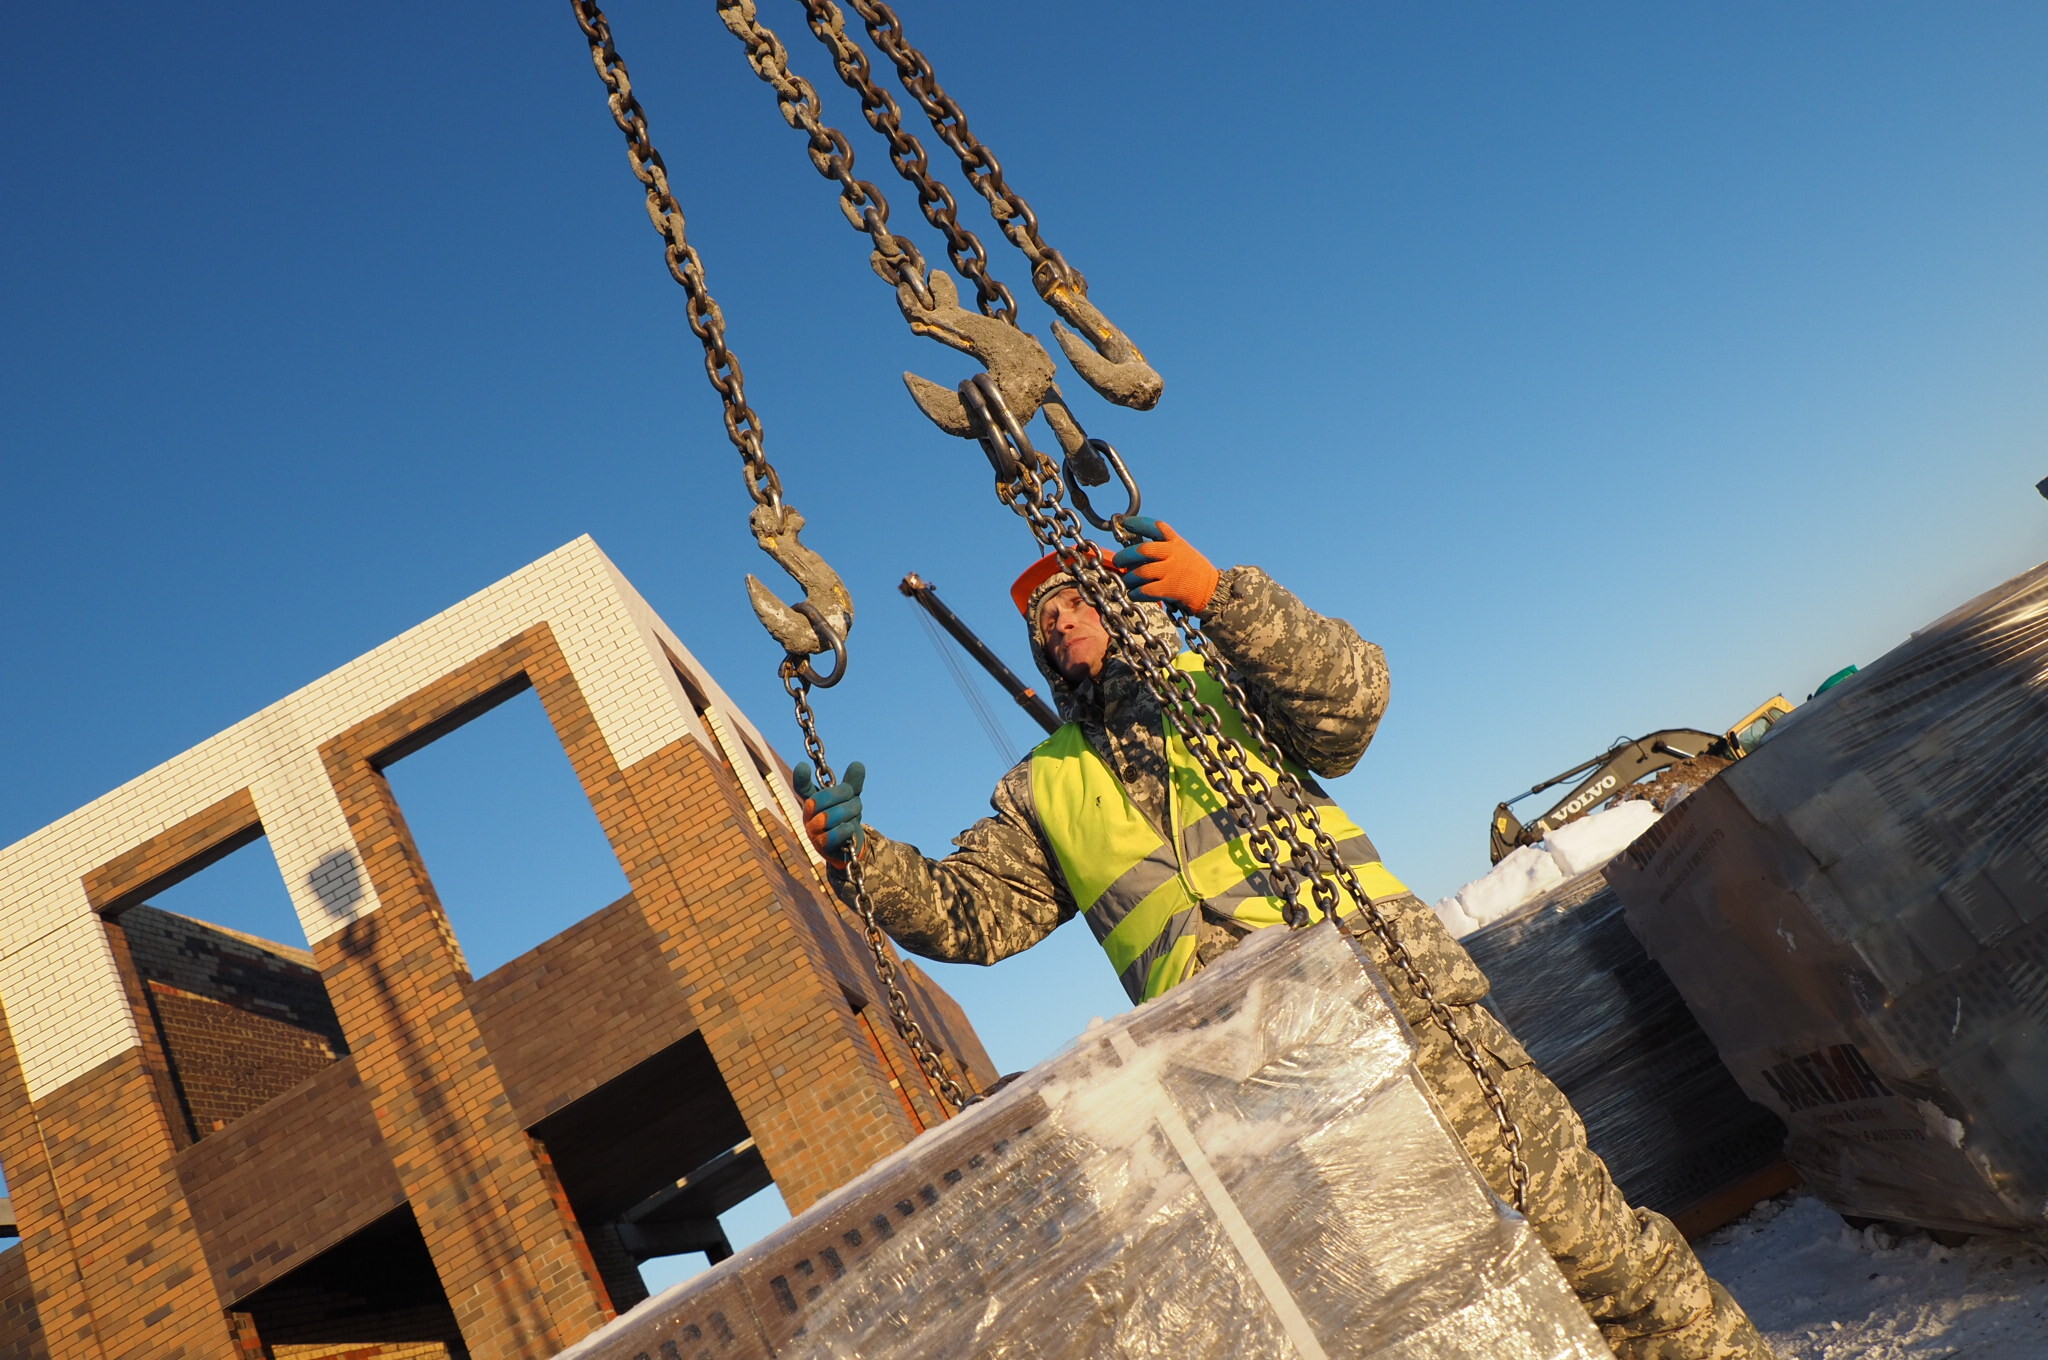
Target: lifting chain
774	525
828	23
707	322
1103	356
1375	920
907	154
913	1034
1013	215
895	258
1035	493
1108	361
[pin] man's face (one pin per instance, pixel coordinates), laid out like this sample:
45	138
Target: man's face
1075	641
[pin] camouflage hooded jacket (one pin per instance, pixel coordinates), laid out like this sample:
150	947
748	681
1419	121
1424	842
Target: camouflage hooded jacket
1320	687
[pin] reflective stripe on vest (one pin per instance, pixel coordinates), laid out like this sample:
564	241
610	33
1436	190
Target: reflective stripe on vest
1142	890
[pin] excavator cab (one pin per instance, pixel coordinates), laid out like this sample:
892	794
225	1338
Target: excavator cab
1748	734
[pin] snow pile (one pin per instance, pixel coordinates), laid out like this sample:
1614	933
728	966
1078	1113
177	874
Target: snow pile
1821	1290
1569	851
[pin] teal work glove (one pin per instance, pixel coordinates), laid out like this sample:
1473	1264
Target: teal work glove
832	815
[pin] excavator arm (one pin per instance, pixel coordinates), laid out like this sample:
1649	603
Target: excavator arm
1604	776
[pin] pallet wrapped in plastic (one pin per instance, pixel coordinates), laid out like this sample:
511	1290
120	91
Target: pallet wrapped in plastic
1604	1022
1249	1166
1858	915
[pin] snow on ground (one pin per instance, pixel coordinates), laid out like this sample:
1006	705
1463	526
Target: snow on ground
1570	850
1821	1290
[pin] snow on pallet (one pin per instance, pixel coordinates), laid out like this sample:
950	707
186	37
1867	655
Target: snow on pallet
1250	1166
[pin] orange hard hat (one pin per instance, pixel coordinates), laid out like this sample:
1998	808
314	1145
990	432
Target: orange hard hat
1036	575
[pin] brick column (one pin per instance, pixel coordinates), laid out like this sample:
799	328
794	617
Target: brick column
61	1303
117	1264
812	1090
509	1255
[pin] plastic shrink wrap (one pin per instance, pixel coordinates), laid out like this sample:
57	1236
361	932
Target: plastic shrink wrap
1858	916
1248	1167
1604	1022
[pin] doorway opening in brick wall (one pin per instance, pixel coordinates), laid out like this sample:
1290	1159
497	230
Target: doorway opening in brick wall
507	835
21	1327
225	987
656	1163
373	1294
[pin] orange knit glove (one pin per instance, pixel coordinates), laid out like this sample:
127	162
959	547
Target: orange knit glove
1166	568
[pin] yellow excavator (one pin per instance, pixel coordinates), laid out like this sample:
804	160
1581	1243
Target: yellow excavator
1625	763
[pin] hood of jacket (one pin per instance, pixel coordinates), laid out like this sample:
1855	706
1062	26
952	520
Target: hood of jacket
1086	702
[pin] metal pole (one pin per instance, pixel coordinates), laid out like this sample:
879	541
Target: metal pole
920	590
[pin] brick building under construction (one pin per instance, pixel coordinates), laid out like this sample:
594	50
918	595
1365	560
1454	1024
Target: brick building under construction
223	1147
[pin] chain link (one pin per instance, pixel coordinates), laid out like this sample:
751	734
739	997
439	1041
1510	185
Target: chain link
743	427
1013	215
1102	354
1035	493
1306	814
913	1034
907	154
707	322
896	258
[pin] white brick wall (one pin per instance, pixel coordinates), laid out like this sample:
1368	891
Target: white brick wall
58	988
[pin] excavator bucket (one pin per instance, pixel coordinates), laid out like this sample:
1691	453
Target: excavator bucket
1506	833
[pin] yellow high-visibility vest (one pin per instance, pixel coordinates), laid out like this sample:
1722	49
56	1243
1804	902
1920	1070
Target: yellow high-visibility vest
1141	889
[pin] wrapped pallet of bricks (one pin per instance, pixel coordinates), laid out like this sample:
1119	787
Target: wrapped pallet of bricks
1857	913
1604	1022
1249	1166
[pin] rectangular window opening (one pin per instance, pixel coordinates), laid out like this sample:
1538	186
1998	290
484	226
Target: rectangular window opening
759	784
241	1015
505	830
10	1231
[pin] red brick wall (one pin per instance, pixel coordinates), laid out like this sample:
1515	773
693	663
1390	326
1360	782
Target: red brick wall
276	1189
605	979
21	1330
811	1090
227	1062
235	1022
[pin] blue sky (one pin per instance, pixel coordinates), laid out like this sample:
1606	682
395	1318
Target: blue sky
1615	367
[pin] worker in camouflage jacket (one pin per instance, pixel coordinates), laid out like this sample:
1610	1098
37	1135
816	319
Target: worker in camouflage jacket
1320	689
